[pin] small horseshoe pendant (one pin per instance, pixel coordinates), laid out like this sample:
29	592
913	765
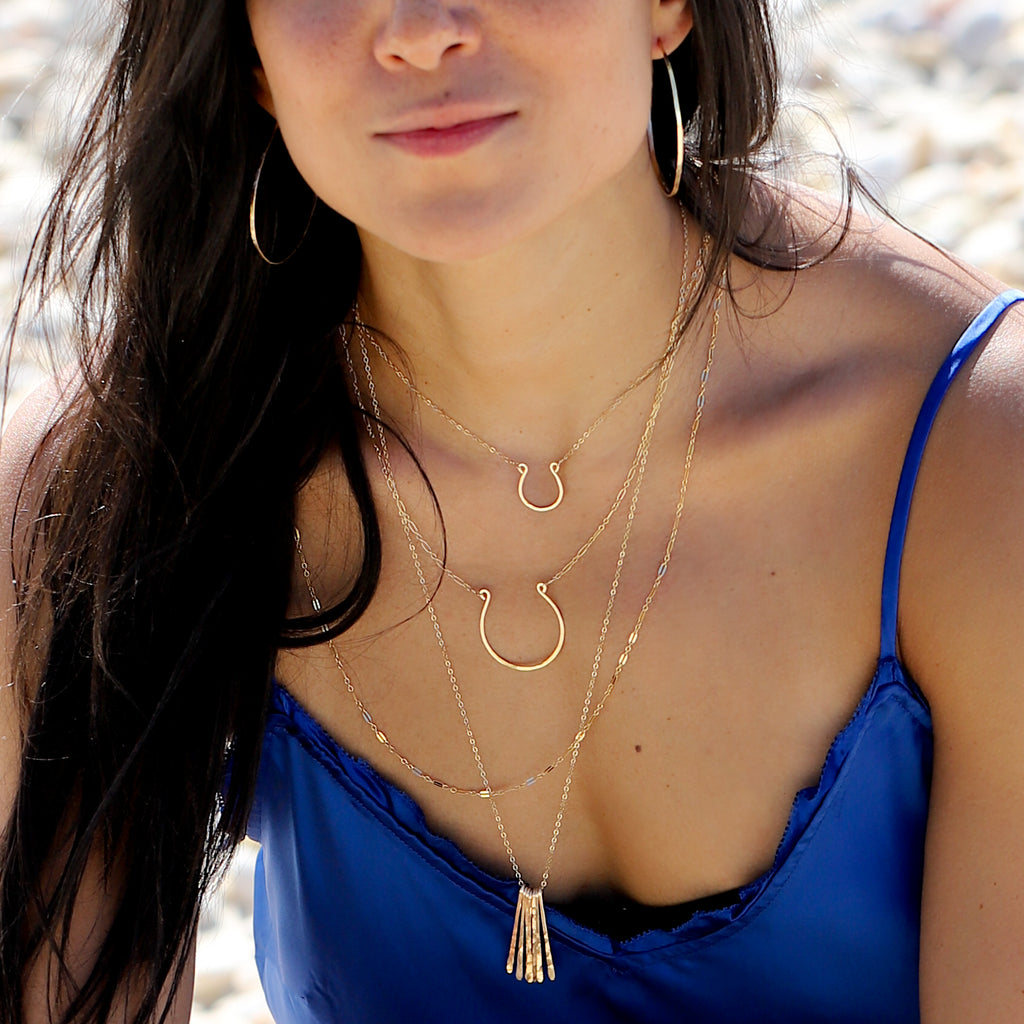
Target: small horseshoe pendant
542	589
524	470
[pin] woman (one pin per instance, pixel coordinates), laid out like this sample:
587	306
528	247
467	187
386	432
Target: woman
500	541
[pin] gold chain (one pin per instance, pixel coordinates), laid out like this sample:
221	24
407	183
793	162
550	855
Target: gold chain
643	444
588	716
555	467
530	953
530	946
686	289
486	445
412	531
378	439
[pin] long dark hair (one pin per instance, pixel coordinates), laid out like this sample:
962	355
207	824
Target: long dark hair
153	565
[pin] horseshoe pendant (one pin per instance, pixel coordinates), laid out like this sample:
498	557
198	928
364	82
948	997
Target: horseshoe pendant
524	470
542	589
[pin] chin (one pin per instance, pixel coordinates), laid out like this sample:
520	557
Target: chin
453	247
458	230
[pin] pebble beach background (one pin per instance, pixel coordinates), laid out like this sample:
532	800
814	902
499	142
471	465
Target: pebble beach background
926	95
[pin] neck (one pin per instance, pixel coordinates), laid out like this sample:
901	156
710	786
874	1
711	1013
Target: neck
527	344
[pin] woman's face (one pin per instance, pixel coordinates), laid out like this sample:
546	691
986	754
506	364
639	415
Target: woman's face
449	128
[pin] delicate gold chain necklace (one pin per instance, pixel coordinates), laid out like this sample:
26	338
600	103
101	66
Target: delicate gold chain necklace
633	480
522	468
530	946
687	288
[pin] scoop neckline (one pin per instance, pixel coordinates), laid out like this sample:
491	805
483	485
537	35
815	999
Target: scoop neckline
398	811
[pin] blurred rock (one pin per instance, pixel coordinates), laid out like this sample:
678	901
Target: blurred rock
973	31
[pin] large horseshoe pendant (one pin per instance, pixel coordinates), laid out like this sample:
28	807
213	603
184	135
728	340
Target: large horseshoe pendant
542	589
524	470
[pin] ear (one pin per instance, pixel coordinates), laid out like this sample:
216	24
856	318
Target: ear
671	23
261	90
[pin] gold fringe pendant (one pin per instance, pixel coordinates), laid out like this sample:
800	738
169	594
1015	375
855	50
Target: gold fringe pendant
529	952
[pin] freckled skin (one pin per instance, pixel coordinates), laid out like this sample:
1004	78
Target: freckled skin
336	73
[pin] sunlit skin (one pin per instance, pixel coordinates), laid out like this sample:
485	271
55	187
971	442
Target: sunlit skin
527	267
503	268
520	251
571	80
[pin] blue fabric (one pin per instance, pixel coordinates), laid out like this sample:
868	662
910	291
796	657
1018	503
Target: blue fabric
960	353
363	915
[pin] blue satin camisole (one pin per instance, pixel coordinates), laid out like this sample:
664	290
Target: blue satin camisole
362	914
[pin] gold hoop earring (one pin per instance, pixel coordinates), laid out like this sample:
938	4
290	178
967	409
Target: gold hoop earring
677	170
252	212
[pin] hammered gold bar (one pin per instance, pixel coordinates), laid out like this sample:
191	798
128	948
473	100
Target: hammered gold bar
531	940
538	945
521	944
547	940
515	931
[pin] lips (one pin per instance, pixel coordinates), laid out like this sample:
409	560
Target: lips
444	132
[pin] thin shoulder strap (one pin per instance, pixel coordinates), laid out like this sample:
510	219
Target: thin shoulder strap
915	450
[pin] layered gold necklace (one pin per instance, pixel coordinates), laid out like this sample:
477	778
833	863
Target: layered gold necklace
530	955
521	468
630	484
687	288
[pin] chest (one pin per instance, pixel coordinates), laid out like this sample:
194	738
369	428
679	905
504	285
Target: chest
758	644
350	883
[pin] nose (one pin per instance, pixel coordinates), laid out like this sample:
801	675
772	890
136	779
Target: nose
419	33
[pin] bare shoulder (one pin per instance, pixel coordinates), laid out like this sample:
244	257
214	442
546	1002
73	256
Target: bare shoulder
24	452
961	629
903	304
24	436
888	300
877	286
963	587
865	329
29	450
962	633
871	321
